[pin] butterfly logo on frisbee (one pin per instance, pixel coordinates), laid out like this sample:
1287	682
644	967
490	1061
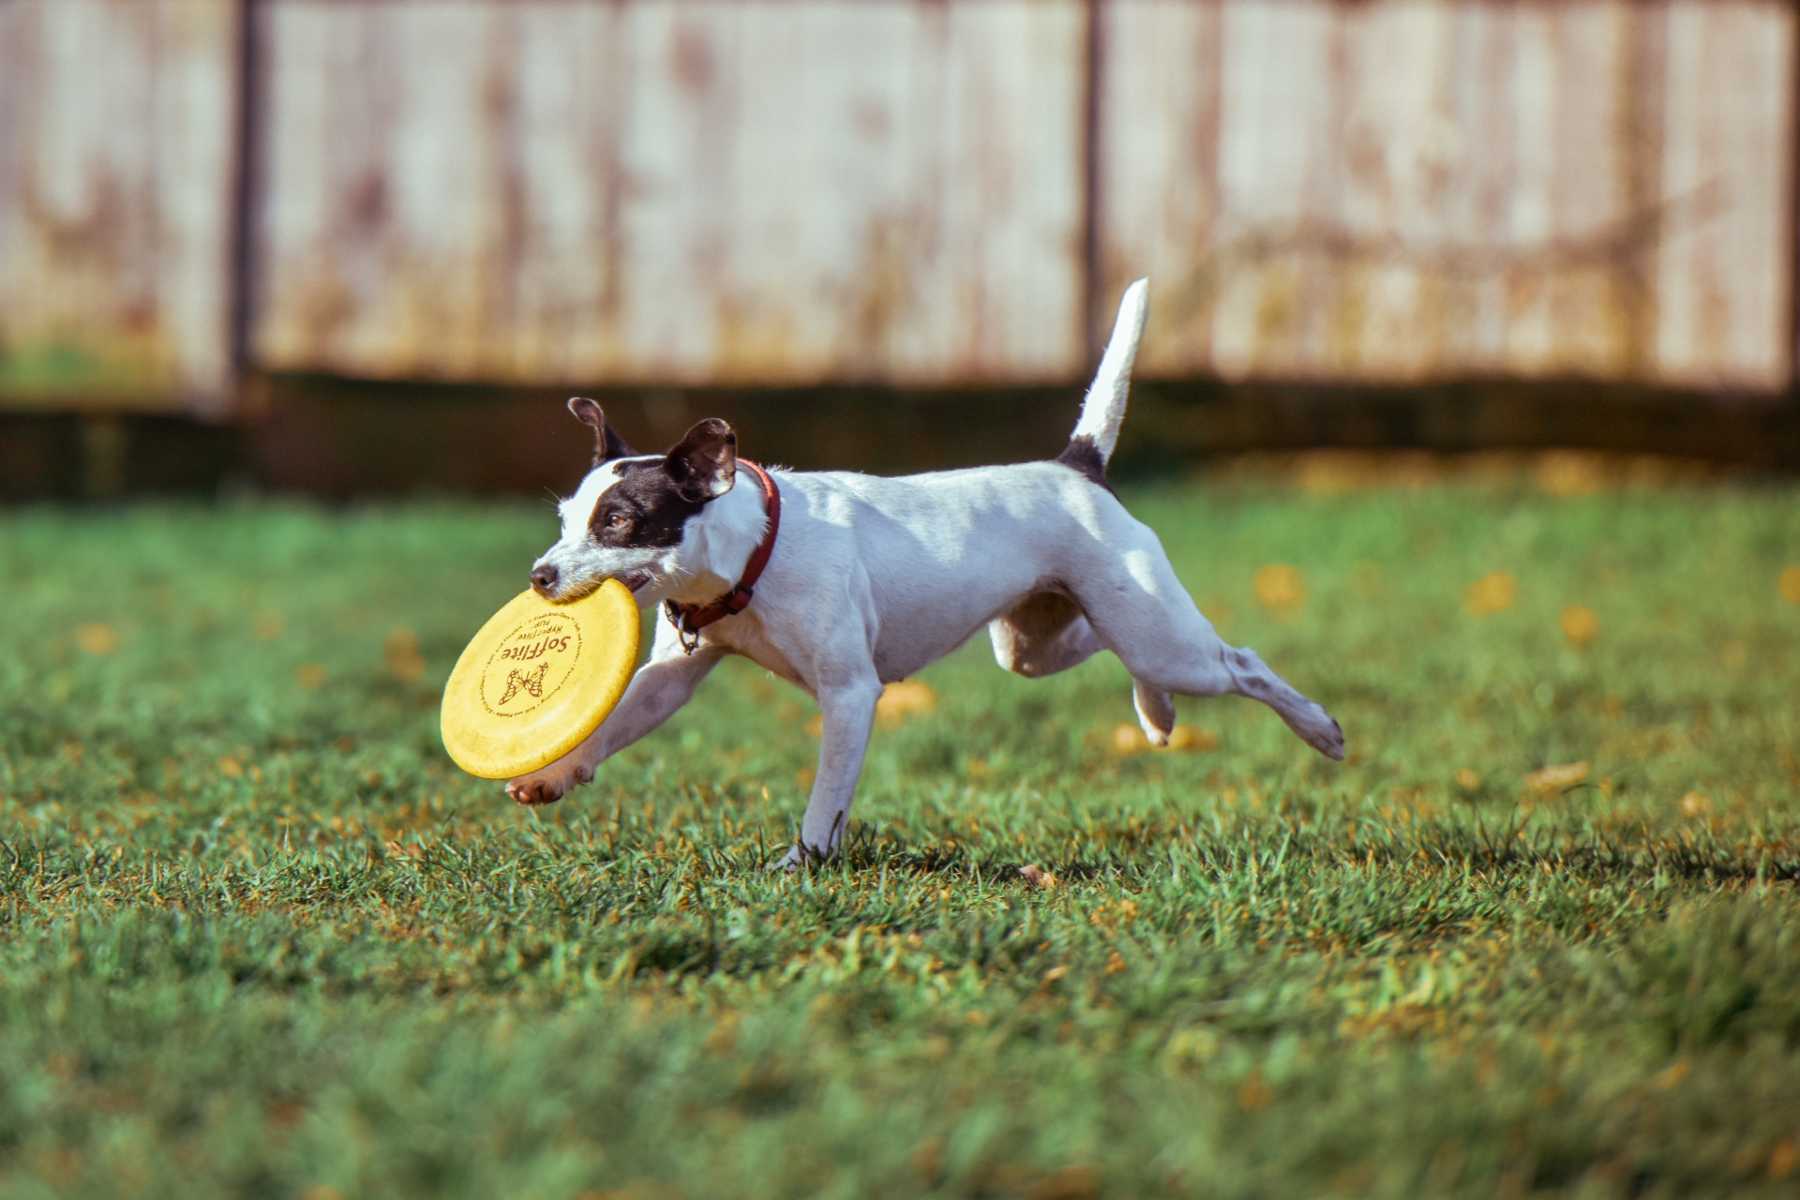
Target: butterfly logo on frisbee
531	682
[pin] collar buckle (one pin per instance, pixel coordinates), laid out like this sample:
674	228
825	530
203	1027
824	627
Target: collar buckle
686	634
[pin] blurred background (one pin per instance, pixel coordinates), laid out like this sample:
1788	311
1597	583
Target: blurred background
352	247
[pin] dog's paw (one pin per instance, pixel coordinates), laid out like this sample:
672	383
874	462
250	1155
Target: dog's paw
1326	736
799	856
548	785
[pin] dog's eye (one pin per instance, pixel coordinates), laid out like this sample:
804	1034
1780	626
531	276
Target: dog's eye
618	520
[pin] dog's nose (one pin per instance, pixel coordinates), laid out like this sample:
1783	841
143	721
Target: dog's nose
543	578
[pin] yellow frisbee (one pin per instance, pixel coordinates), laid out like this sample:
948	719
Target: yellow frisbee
537	679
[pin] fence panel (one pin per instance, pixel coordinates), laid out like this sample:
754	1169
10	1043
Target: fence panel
116	169
1407	190
720	192
832	191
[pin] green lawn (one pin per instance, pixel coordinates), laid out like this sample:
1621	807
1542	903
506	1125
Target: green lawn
259	937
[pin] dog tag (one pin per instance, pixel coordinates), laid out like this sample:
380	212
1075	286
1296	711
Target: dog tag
537	679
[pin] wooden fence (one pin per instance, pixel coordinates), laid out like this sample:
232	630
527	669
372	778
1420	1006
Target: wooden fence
116	199
828	191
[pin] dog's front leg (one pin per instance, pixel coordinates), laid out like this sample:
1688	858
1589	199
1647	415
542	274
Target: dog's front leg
849	711
660	686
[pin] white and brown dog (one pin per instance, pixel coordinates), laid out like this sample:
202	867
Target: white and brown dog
859	581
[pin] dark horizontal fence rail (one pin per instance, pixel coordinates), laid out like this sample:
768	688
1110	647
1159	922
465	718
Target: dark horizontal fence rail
899	195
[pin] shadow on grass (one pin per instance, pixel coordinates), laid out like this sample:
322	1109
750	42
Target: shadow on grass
1508	852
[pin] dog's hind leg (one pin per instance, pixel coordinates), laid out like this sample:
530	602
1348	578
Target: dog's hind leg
1155	710
1143	614
1046	633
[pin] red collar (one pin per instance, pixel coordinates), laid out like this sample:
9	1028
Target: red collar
690	619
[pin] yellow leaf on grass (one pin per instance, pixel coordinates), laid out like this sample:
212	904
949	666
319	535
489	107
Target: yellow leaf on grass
908	698
1570	473
1790	584
310	675
1556	778
97	638
928	1157
1695	804
1579	624
1068	1183
1129	739
1279	588
401	649
1468	780
1492	593
1253	1093
1186	737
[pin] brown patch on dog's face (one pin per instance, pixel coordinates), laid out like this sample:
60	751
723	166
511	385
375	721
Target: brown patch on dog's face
645	509
629	518
649	507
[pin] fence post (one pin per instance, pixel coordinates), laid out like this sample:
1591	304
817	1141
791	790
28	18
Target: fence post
1092	321
1793	183
246	189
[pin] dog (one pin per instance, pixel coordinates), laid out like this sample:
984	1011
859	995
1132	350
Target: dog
870	579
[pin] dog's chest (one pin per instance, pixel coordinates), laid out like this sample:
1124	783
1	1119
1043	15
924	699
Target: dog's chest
747	636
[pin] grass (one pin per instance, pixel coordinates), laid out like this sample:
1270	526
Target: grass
258	937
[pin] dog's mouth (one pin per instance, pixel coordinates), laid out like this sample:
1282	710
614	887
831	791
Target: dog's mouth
634	582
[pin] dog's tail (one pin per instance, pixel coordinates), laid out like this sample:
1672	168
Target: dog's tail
1103	411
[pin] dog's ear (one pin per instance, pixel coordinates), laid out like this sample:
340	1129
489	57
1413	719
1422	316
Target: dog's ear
704	463
608	444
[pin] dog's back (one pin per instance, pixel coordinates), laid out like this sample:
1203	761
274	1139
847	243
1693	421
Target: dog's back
941	554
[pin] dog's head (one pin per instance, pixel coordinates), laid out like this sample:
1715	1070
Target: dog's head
635	517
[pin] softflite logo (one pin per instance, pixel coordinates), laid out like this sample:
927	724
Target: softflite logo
531	664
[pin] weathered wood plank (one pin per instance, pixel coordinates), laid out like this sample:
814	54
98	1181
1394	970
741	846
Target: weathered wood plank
1406	190
714	191
115	186
1721	275
737	193
1163	102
